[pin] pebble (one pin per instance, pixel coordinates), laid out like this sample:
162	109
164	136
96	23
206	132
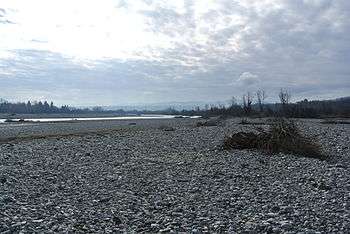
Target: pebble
146	180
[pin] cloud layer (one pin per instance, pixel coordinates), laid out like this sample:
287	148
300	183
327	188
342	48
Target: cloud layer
119	52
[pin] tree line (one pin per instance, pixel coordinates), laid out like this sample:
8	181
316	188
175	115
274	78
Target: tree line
36	107
253	104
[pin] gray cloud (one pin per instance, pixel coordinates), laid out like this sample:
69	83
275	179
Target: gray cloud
301	45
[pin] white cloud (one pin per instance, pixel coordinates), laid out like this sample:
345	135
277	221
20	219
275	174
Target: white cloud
85	29
248	79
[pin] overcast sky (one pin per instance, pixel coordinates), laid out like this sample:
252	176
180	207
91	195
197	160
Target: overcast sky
111	52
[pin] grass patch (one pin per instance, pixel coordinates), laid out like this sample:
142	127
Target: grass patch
18	139
282	136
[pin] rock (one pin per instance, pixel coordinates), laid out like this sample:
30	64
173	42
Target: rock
8	199
168	229
275	209
3	179
276	230
286	225
117	221
250	225
286	209
323	186
18	224
271	215
37	220
155	225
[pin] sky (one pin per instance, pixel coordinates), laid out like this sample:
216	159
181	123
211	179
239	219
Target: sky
119	52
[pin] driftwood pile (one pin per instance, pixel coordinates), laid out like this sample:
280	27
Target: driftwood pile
282	136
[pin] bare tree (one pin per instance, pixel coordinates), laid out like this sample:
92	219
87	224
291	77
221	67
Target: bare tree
261	96
247	102
284	96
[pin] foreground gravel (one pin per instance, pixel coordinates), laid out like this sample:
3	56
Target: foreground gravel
146	178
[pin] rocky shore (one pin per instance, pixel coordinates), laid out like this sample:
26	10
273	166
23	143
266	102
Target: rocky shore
168	176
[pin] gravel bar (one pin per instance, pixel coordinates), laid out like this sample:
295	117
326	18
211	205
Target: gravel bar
168	176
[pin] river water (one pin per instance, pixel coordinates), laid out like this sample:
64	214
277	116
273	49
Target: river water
97	118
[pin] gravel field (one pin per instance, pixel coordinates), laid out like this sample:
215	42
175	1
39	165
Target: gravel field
28	130
118	177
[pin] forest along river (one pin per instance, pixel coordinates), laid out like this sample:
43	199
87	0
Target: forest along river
96	118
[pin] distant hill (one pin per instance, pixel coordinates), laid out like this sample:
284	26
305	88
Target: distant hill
193	105
163	105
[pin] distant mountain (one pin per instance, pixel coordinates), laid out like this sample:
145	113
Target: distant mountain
188	105
2	100
163	105
191	105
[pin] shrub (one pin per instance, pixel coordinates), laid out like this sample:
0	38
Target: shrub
282	136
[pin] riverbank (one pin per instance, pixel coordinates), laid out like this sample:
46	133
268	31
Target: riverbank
163	175
58	115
